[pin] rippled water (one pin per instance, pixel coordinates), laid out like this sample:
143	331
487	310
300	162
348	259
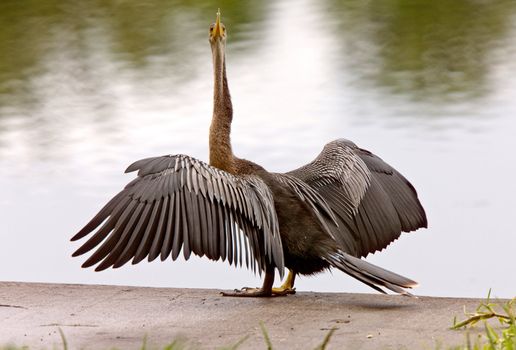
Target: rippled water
88	87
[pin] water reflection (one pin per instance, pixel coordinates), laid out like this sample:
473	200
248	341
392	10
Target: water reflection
425	49
66	66
88	87
422	49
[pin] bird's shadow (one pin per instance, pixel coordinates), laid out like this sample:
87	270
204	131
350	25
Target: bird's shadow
361	301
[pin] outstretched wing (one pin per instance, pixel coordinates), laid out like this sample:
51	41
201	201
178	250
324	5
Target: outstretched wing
180	203
372	202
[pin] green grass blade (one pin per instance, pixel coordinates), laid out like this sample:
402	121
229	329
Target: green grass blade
266	336
63	339
326	339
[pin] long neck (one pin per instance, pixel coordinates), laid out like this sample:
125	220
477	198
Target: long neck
221	155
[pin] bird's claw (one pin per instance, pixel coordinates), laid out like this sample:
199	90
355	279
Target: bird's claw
249	292
259	292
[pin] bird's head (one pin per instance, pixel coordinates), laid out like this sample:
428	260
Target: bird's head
217	33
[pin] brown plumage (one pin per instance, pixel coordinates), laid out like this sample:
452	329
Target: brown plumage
329	213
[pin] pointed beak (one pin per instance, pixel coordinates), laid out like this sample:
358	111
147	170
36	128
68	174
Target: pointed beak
217	31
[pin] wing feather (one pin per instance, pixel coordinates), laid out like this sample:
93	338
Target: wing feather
164	244
372	202
129	251
221	247
229	235
187	245
150	232
174	224
157	240
112	239
180	204
106	228
122	240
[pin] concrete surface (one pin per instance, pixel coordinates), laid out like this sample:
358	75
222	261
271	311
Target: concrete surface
103	317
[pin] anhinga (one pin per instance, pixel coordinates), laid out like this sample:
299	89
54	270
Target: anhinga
329	213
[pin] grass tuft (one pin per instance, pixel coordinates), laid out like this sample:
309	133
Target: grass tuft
490	339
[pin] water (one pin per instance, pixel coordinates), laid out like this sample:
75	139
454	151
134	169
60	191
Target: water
88	87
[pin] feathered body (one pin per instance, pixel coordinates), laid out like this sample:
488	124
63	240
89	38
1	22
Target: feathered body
329	213
302	235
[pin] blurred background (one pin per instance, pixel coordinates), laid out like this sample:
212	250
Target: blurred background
87	87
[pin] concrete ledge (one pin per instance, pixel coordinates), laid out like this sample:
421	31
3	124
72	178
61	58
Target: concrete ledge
103	317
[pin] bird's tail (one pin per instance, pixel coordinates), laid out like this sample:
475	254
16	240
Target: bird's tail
372	275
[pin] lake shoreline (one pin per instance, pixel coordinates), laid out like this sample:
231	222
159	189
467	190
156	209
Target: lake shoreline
103	317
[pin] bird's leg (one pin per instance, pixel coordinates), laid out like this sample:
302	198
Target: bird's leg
288	286
264	291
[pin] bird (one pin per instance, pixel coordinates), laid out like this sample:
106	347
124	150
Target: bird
328	214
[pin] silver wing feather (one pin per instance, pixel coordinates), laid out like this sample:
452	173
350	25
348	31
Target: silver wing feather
338	165
372	202
178	203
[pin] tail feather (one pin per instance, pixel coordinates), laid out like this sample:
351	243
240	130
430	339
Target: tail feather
372	275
